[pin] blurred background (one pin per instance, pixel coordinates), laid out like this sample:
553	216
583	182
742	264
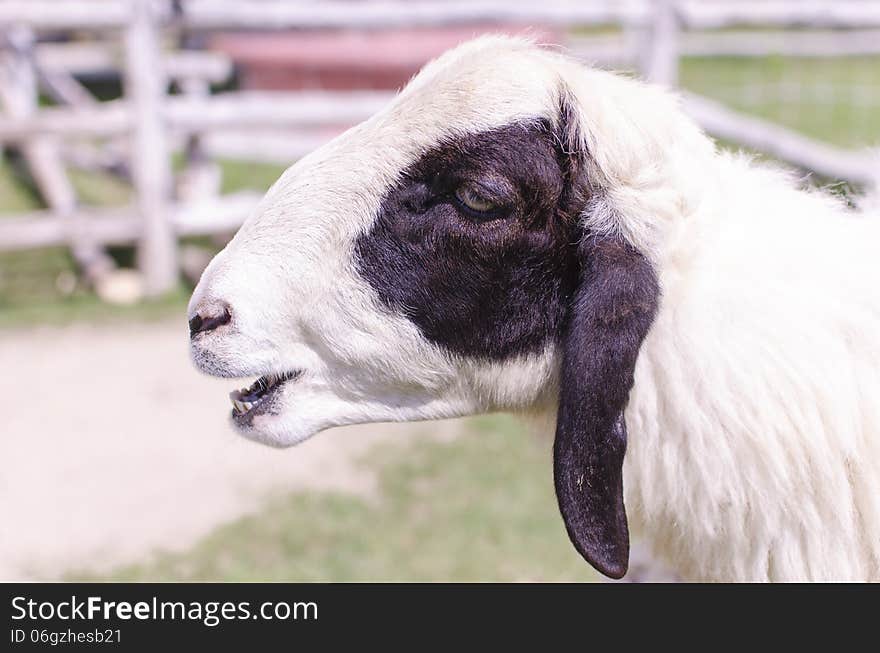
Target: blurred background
136	136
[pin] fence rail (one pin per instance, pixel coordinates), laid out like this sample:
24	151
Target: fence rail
383	14
122	225
148	119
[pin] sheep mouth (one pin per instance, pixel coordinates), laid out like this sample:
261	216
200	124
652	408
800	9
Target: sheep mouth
257	398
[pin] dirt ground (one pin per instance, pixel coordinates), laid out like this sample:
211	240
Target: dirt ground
113	447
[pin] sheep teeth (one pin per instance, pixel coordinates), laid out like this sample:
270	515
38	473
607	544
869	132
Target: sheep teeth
240	406
259	388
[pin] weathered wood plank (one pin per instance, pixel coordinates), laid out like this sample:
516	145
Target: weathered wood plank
69	14
226	110
122	225
88	58
659	60
382	14
781	143
146	88
699	14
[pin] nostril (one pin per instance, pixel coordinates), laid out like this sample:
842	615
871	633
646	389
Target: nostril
200	322
195	324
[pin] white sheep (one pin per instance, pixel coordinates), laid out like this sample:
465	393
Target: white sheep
517	232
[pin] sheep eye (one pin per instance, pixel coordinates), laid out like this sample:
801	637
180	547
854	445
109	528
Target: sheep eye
474	202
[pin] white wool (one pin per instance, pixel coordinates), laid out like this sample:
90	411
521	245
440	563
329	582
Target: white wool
754	421
755	427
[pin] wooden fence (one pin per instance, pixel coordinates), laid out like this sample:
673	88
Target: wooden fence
143	127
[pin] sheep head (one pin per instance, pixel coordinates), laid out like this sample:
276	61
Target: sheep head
472	248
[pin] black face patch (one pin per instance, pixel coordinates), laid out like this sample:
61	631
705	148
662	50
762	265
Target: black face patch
476	244
480	246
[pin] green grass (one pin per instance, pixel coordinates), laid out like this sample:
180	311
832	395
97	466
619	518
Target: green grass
83	306
479	508
15	195
92	189
29	280
248	175
835	99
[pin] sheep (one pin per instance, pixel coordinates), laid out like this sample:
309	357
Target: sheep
518	232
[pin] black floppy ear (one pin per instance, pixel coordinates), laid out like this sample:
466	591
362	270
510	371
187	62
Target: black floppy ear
611	312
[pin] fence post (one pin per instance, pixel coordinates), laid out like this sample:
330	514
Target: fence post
201	177
659	56
146	88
